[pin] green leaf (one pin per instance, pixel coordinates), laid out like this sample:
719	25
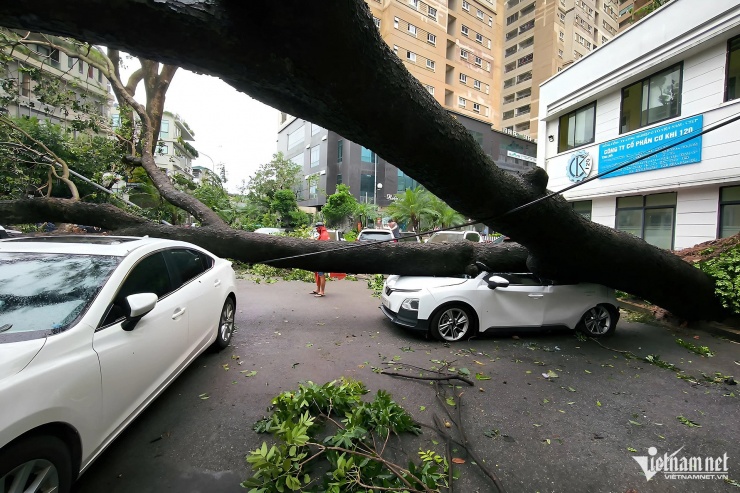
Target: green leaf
633	450
464	372
450	401
635	423
598	403
481	376
422	408
688	422
203	396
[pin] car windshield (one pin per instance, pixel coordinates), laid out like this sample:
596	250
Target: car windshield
445	237
48	292
375	236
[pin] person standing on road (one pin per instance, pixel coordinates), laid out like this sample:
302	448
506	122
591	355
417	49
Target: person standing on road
320	276
394	228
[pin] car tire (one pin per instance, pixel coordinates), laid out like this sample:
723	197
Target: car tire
225	328
599	321
44	461
454	322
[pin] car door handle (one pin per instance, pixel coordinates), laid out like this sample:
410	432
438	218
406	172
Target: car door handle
536	296
178	313
216	283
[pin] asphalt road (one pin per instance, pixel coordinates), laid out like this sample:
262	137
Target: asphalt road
572	433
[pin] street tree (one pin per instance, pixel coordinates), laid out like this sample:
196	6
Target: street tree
411	207
269	51
340	206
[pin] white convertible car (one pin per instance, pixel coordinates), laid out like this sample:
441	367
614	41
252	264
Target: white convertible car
455	308
92	330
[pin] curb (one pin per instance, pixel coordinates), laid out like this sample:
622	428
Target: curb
719	329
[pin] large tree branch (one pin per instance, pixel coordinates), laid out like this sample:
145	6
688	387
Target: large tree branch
270	50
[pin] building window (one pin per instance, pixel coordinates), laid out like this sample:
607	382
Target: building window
340	150
463	54
115	121
466	6
395	49
405	182
430	89
100	76
395	22
377	22
560	53
430	64
478	61
163	148
90	72
71	61
164	129
479	37
476	107
414	4
431	38
577	128
561	35
410	55
464	30
313	187
367	156
296	137
412	29
339	178
297	160
582	207
729	211
79	66
315	155
479	14
432	13
651	100
476	84
315	129
54	58
650	217
461	101
509	98
367	188
732	89
512	19
25	84
463	79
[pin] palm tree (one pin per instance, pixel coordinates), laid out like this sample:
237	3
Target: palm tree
412	207
364	212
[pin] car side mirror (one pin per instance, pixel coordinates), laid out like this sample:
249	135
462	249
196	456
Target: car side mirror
497	282
138	305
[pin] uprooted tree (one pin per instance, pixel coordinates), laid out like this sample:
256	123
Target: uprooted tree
271	51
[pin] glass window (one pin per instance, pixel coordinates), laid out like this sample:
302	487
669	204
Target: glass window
577	128
115	121
367	188
729	211
430	64
651	100
298	160
339	178
296	137
187	264
464	30
411	56
163	148
315	155
431	38
649	217
340	150
463	79
367	156
405	182
432	12
48	292
164	129
732	90
315	129
582	207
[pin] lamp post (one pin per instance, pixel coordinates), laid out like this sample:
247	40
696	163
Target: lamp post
213	165
375	175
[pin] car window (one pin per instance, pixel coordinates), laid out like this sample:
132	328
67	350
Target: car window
443	236
522	279
375	236
48	292
187	264
472	236
150	275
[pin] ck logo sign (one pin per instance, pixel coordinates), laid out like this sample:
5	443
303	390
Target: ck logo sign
579	166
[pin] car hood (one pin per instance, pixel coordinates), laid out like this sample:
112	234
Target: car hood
426	282
14	356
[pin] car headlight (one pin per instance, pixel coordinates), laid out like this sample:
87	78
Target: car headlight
410	304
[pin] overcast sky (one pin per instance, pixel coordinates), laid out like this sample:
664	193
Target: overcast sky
230	127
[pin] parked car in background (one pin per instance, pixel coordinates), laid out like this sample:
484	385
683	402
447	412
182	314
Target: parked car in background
270	231
376	235
456	308
410	236
451	236
92	330
7	233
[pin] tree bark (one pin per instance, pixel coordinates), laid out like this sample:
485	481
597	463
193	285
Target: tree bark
295	59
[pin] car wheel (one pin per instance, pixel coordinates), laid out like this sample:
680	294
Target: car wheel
38	464
453	323
225	324
599	321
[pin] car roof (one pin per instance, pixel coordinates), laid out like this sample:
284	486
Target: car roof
376	231
118	246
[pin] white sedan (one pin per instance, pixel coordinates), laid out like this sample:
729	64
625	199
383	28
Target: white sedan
455	308
92	330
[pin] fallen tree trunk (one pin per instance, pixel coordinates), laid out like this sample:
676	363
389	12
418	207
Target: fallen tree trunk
271	51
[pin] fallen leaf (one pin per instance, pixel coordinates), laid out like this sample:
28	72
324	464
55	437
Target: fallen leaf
450	401
479	363
204	396
458	460
598	404
226	367
422	408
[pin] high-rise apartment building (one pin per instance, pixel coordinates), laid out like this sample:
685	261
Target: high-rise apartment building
453	47
631	11
539	40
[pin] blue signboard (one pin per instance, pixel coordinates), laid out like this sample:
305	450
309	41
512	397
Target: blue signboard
625	149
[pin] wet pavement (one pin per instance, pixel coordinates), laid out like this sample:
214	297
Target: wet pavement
577	432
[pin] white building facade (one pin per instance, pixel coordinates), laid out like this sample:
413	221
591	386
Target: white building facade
671	76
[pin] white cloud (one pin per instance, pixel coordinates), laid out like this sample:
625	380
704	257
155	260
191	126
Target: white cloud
230	127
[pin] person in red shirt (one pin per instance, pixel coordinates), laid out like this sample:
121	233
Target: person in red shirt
320	276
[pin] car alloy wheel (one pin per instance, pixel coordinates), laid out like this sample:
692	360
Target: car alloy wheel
598	321
39	464
452	323
226	324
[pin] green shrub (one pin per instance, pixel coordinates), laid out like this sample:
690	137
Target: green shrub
725	270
